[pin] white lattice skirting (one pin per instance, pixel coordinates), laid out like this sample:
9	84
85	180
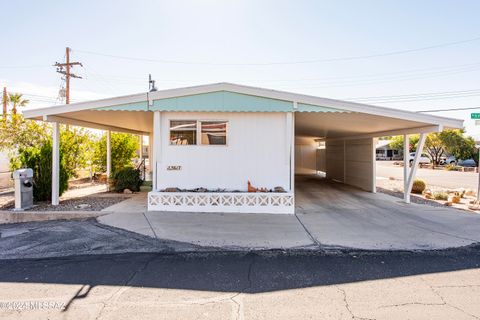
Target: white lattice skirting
222	202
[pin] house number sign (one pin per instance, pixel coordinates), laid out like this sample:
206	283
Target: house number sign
174	168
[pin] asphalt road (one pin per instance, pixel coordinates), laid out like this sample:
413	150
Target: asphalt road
439	178
263	285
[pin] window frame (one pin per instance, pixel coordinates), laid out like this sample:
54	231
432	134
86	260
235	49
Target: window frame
170	132
199	135
198	138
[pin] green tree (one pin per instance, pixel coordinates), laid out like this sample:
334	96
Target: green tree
16	132
16	100
397	142
435	147
123	149
76	144
453	142
459	145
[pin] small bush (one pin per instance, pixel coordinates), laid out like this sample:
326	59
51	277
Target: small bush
451	167
440	195
127	178
39	159
418	186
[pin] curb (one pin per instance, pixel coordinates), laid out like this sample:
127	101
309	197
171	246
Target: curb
7	217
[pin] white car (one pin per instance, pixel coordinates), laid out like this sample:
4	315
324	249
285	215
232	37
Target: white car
448	160
423	158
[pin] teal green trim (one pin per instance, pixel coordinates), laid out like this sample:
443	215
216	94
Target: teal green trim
137	106
222	101
302	107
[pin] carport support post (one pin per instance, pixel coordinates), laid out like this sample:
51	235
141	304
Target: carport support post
109	158
415	164
406	164
156	148
409	178
55	163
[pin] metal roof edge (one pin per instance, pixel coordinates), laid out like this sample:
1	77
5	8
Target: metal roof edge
72	107
249	90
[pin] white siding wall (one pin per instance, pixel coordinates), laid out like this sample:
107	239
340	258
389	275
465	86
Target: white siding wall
321	160
257	150
305	155
352	162
334	154
360	163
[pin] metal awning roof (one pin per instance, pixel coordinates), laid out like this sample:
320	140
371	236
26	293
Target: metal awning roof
116	113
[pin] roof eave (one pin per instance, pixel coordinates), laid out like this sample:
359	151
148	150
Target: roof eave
255	91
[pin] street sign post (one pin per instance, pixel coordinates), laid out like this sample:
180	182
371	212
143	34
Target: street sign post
475	115
477	122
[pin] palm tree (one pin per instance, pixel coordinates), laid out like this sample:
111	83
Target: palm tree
17	101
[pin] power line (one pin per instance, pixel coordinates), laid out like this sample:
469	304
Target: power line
360	57
444	95
23	67
413	72
452	109
355	83
425	94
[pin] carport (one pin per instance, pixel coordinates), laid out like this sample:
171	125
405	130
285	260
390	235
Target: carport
341	143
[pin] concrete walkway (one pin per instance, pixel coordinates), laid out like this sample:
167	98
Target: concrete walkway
329	215
232	231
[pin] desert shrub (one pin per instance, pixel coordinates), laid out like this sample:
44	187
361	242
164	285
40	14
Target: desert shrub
440	195
127	178
39	159
451	167
124	147
418	186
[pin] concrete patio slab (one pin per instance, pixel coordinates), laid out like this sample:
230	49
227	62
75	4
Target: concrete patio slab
233	230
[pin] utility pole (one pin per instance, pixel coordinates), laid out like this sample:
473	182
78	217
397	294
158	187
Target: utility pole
64	68
4	103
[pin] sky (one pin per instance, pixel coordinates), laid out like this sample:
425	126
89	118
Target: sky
410	55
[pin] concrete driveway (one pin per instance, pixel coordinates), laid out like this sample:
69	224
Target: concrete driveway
336	215
329	215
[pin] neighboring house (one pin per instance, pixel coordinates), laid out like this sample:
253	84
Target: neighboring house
384	151
216	138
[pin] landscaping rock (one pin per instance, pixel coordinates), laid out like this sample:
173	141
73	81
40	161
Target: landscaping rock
470	193
455	199
127	191
172	189
278	189
82	206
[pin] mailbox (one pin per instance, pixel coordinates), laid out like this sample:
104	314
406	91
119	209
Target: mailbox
23	188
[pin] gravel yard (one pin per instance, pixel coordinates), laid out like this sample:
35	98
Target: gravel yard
394	187
89	203
413	198
6	200
88	197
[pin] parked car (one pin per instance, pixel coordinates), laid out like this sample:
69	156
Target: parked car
448	160
423	158
467	163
